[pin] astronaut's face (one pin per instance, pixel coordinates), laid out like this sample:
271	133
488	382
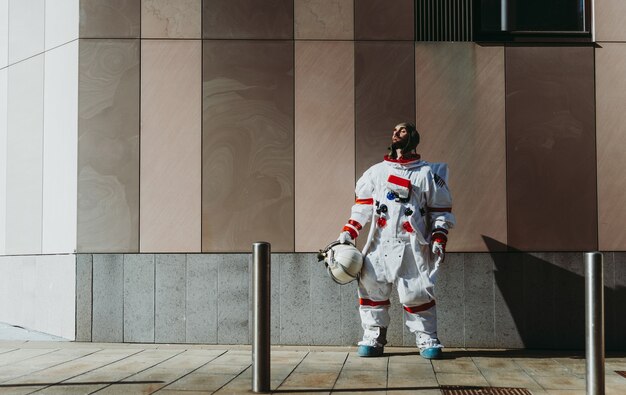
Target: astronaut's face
400	136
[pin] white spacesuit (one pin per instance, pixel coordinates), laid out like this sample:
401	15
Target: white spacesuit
410	208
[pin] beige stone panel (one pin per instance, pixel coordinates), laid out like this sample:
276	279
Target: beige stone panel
611	145
171	136
171	18
324	141
609	20
110	18
248	154
108	146
460	116
324	19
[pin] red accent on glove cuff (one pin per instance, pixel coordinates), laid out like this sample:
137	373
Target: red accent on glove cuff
356	224
440	238
352	232
381	222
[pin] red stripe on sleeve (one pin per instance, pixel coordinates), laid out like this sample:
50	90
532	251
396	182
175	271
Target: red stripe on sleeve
365	201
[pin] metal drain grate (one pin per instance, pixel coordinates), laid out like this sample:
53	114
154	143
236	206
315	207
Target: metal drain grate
467	390
621	373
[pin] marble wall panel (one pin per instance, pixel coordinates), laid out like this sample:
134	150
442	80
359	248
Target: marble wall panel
38	292
110	18
324	141
385	96
26	29
61	22
248	174
171	141
60	146
384	20
4	33
24	156
550	119
324	19
247	19
55	304
3	157
460	117
609	17
611	144
171	18
108	146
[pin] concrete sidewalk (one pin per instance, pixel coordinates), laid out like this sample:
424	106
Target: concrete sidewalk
83	368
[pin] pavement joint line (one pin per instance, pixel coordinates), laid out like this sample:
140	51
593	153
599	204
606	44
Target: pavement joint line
188	373
340	370
85	372
234	378
527	374
31	357
48	367
118	381
293	370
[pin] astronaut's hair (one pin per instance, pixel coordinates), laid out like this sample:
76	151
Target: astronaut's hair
412	143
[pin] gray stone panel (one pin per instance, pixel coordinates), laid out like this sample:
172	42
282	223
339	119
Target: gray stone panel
539	324
449	292
295	298
508	294
170	293
351	330
479	308
108	300
619	296
275	300
569	299
325	311
201	298
232	302
610	317
84	278
139	298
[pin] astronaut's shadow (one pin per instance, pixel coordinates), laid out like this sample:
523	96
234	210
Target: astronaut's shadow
545	296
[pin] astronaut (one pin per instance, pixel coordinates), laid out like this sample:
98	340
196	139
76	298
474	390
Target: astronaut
410	207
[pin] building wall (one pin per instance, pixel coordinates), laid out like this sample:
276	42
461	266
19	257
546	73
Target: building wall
153	131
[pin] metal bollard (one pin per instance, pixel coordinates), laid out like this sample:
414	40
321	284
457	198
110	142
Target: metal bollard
594	317
261	259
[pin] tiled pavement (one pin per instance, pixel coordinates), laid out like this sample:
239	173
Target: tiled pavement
83	368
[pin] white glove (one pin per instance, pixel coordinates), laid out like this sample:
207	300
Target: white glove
345	237
439	248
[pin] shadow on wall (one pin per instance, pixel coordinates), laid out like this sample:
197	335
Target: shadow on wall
545	294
